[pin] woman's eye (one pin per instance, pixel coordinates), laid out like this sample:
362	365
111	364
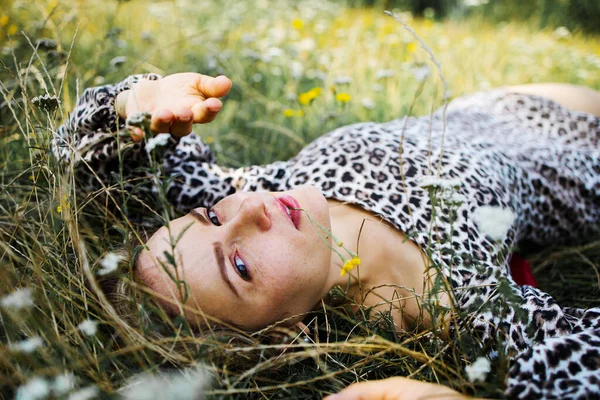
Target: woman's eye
212	216
241	268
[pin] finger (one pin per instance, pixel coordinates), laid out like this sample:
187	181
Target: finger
386	389
182	123
161	121
206	111
136	133
214	87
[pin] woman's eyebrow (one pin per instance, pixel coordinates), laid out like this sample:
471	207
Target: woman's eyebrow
221	261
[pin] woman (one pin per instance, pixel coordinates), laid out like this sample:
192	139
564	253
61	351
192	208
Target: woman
255	247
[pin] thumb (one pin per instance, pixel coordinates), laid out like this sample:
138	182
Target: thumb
214	87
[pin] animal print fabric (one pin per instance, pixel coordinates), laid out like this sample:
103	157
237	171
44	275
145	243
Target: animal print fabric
512	151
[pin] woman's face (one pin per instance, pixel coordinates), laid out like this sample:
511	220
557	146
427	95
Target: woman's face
249	261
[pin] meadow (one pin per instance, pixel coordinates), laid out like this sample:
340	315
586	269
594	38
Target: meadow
299	70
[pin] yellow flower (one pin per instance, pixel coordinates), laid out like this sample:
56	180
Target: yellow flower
12	29
289	113
59	209
349	265
209	139
307	97
411	47
297	23
4	20
343	97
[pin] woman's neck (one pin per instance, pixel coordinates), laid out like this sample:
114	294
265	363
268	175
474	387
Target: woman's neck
391	275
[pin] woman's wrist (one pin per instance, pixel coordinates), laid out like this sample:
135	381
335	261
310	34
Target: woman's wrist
121	104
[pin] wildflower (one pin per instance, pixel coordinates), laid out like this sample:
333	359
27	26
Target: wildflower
307	97
494	221
248	37
110	263
297	69
289	113
343	97
456	198
478	370
562	32
297	23
251	54
421	73
27	346
209	139
4	20
88	327
87	393
17	300
411	47
474	3
63	384
147	36
367	103
35	388
59	209
307	44
118	61
384	73
342	80
433	181
349	265
271	53
186	384
159	140
12	29
377	87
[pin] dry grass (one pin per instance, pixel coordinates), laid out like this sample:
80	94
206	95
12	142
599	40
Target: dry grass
51	236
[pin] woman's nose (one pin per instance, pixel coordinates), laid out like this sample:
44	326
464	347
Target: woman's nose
253	213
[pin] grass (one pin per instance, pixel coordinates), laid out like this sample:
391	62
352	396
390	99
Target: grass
51	236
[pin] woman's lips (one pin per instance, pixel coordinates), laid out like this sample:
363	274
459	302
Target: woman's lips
291	208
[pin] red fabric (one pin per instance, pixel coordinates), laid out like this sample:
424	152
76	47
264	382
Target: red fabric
520	269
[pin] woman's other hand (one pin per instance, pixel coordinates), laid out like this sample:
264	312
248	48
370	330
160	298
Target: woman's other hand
396	389
176	102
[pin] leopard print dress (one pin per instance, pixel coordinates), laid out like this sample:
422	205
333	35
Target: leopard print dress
498	150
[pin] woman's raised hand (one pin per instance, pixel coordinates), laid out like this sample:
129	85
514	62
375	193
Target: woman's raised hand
397	388
176	102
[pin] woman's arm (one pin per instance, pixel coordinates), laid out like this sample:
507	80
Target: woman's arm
97	142
397	388
577	98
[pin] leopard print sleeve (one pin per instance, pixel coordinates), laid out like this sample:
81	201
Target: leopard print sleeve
93	122
560	367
